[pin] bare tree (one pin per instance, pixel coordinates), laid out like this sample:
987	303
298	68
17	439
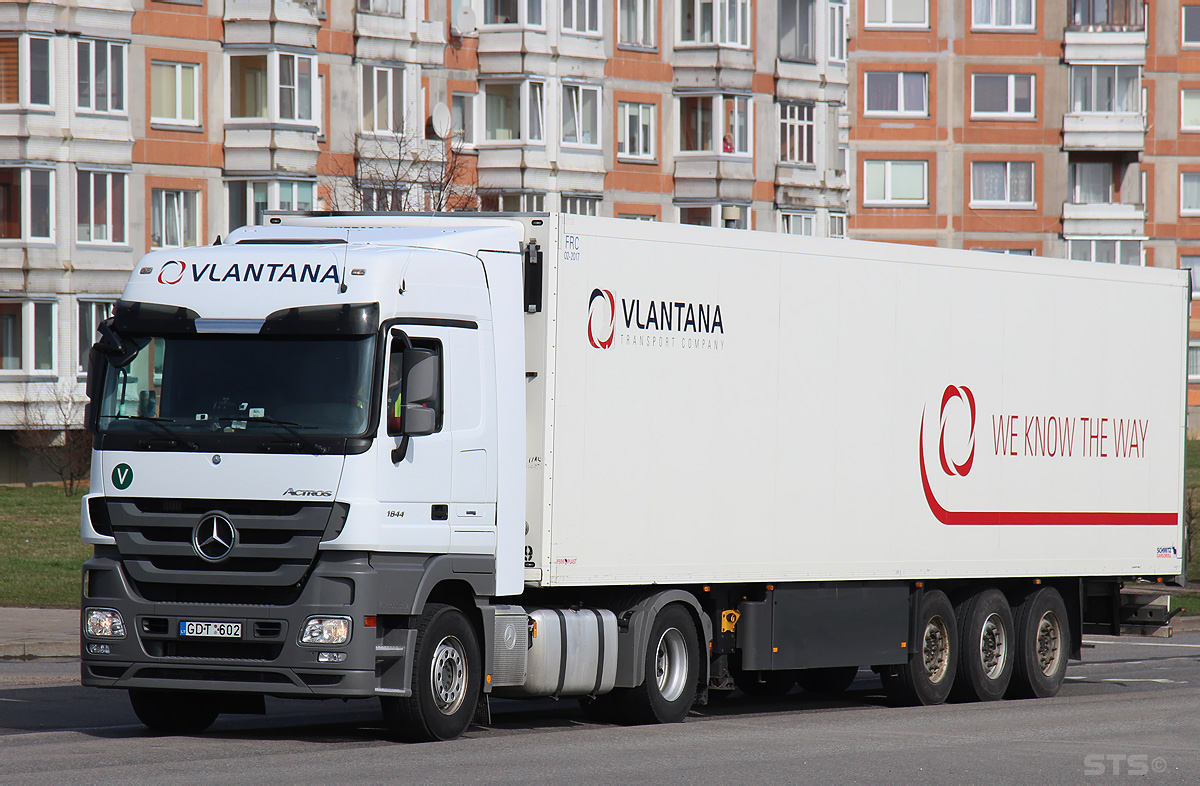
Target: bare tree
50	431
401	173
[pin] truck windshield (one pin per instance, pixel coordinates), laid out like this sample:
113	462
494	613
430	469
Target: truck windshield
194	384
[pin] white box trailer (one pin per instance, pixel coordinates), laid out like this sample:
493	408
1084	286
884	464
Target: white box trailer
511	450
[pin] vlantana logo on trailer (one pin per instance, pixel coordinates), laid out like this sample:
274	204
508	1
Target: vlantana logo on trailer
655	323
1036	446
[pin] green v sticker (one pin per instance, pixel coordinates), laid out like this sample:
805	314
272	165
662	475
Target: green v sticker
122	476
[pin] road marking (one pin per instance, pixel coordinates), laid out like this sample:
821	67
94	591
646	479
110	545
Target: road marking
1157	680
1144	643
18	700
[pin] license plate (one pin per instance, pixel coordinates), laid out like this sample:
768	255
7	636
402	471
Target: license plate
217	630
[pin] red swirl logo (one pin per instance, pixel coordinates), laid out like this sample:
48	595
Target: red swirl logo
168	274
602	319
950	467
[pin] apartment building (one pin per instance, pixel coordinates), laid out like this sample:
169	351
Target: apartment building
132	125
1064	128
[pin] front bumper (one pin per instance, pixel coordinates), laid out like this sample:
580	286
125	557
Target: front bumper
267	659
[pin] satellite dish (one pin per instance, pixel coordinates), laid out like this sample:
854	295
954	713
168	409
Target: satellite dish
465	21
442	120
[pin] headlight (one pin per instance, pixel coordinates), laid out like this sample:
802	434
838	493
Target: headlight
103	624
326	630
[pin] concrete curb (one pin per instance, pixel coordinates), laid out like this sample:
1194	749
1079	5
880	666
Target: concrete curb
28	650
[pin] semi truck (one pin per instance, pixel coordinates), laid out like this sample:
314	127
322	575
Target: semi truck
441	458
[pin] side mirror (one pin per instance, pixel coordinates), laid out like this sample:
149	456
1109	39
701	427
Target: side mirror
414	390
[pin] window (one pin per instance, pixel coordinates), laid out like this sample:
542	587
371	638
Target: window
837	32
797	133
581	205
1002	95
796	30
797	223
513	12
1019	252
382	99
1090	182
503	119
91	314
253	79
580	115
637	216
462	113
248	199
100	207
513	202
894	93
100	76
1191	263
1191	25
1106	89
581	16
1120	252
897	13
174	218
1193	362
26	335
174	88
25	71
894	182
721	21
699	131
635	22
837	225
1002	182
1189	193
1106	13
26	204
384	7
381	199
1189	111
635	130
696	216
1003	14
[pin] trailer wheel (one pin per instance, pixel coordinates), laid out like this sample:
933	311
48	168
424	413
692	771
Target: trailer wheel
827	682
1043	637
445	681
988	642
927	676
672	660
175	711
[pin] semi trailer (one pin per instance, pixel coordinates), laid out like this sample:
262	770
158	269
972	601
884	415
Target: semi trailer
436	459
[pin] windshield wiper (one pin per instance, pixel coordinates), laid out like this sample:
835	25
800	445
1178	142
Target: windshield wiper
160	423
287	426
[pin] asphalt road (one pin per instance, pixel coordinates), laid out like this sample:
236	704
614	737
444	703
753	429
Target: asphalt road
1130	710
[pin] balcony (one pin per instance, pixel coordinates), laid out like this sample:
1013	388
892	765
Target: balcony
1104	131
295	11
1103	218
1105	46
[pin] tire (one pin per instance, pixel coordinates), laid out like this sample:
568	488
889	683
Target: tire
1043	640
175	711
987	647
929	673
672	661
446	679
828	682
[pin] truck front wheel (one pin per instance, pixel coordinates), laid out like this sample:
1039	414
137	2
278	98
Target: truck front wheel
672	661
929	673
1043	639
174	711
445	681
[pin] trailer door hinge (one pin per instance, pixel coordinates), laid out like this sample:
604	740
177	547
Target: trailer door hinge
533	277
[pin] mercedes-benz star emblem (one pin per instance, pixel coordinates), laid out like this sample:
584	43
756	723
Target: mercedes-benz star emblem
214	537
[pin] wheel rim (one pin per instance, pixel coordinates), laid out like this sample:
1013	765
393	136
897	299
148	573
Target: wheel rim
1049	643
448	675
993	646
670	664
935	649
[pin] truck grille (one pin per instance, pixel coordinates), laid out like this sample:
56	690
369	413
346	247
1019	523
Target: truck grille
273	546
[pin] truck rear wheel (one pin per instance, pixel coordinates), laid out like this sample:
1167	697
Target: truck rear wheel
988	641
672	661
832	681
927	676
174	711
1043	638
445	681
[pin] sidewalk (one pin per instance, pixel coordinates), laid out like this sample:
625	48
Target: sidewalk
39	633
54	633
